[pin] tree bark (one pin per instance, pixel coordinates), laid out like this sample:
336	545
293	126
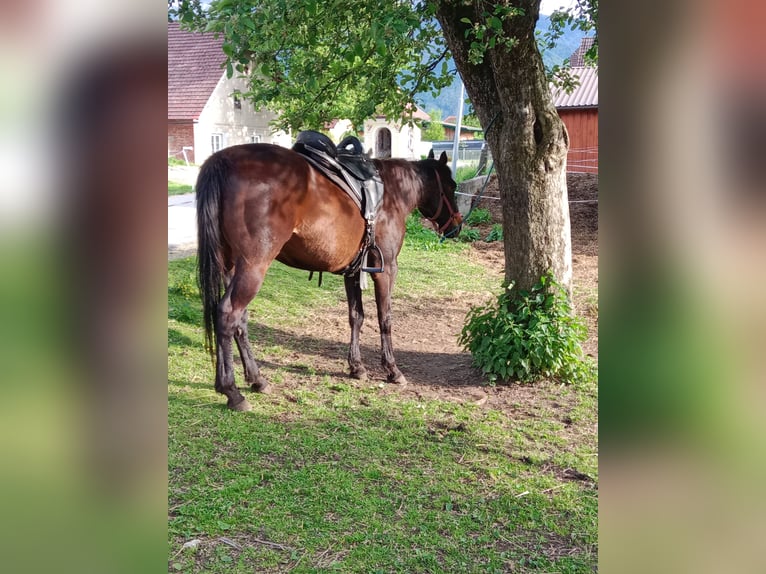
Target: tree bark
528	140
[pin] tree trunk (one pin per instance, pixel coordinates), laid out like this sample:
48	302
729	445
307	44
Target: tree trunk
528	140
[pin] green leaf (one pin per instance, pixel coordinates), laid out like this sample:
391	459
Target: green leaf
495	23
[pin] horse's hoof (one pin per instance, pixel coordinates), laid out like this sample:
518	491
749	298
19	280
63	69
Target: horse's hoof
260	385
400	380
359	374
241	406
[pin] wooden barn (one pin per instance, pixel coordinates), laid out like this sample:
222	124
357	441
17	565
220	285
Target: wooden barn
579	112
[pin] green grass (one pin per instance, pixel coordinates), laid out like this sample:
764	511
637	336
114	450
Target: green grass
339	476
466	172
175	188
176	161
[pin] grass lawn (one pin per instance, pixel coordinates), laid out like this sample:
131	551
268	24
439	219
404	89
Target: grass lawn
178	188
329	474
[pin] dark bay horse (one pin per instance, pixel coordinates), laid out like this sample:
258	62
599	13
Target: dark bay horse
260	202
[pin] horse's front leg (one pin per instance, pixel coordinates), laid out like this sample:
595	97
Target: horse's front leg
384	286
355	320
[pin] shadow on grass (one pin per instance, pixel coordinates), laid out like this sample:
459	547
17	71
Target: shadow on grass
175	338
449	370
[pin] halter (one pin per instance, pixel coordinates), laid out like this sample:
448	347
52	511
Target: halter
455	217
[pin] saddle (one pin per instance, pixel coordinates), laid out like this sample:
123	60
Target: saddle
348	167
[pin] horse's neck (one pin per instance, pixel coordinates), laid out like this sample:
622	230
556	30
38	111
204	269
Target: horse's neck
402	178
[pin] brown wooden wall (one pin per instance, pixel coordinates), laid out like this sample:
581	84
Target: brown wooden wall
582	125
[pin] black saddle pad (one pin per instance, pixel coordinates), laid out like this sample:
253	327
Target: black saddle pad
359	166
315	140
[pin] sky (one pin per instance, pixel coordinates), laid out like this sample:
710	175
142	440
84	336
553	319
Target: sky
548	6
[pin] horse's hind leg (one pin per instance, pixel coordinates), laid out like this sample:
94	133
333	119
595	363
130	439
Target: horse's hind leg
243	286
252	373
355	320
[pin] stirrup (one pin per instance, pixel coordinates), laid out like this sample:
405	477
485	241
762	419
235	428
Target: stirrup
367	256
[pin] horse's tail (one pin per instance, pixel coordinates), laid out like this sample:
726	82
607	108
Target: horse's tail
213	176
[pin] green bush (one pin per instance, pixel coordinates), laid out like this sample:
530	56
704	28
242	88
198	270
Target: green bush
527	336
478	215
469	235
496	234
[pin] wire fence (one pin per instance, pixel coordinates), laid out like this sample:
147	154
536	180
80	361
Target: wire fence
582	160
579	160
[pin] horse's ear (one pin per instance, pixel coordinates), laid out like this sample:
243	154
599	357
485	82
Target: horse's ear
431	154
443	157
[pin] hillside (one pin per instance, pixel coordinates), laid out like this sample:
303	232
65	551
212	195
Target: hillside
447	100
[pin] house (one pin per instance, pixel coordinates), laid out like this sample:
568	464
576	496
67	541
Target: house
204	115
579	112
387	138
466	132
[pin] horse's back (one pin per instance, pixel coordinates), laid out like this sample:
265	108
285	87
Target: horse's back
276	206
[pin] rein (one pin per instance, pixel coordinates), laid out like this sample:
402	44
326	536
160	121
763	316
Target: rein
455	217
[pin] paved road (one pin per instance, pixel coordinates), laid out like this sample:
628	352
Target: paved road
182	223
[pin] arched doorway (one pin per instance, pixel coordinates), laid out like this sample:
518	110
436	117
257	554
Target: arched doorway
383	143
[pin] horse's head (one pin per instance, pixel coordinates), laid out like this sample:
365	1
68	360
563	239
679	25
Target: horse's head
438	203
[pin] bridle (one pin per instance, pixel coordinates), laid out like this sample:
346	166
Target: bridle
455	218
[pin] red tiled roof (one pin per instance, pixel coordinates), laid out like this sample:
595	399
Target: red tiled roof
577	59
194	69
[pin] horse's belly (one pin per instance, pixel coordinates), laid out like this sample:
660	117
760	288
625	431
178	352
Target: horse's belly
329	249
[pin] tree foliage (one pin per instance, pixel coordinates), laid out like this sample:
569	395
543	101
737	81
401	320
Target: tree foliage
315	60
311	61
582	16
434	131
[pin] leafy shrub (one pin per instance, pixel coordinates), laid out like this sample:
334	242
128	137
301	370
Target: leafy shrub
528	336
496	234
468	235
478	216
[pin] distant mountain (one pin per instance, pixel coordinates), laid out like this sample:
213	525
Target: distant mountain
447	100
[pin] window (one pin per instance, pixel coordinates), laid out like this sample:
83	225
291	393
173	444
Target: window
216	142
237	102
255	139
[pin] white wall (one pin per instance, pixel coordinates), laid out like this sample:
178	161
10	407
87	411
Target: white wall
405	139
237	126
340	128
